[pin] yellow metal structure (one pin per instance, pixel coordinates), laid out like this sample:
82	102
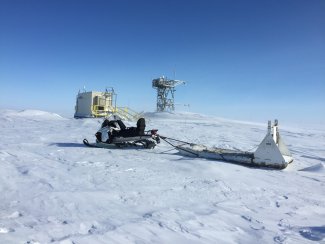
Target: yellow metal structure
97	111
128	114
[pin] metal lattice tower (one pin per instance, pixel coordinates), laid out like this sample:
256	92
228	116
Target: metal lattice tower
165	93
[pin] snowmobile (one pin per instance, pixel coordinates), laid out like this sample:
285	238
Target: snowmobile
114	133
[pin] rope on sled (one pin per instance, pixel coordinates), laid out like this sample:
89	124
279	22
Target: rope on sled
166	139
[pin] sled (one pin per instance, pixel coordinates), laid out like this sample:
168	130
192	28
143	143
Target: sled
272	152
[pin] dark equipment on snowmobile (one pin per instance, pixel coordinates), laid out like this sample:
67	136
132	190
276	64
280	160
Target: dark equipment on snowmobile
113	132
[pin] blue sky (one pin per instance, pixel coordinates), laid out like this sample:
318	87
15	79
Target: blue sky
250	60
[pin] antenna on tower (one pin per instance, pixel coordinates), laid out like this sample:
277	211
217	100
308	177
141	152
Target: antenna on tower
165	93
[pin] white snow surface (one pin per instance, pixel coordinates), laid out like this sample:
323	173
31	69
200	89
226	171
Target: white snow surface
53	189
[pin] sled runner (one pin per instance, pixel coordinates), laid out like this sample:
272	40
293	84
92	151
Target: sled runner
114	133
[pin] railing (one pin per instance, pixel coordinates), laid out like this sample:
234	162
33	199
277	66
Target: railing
124	112
96	112
128	114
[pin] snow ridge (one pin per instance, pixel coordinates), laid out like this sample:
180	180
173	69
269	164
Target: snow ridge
29	113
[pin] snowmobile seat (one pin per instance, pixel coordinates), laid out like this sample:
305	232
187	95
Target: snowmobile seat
112	123
132	131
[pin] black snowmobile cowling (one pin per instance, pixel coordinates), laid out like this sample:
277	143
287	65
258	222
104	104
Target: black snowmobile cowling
113	132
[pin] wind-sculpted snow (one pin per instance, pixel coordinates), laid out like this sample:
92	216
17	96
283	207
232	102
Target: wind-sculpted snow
55	190
29	114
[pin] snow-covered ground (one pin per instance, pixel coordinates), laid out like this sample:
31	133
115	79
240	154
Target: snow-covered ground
53	189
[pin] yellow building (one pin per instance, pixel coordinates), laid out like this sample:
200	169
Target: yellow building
95	104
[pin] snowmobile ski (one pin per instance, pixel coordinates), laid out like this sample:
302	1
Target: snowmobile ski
144	143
